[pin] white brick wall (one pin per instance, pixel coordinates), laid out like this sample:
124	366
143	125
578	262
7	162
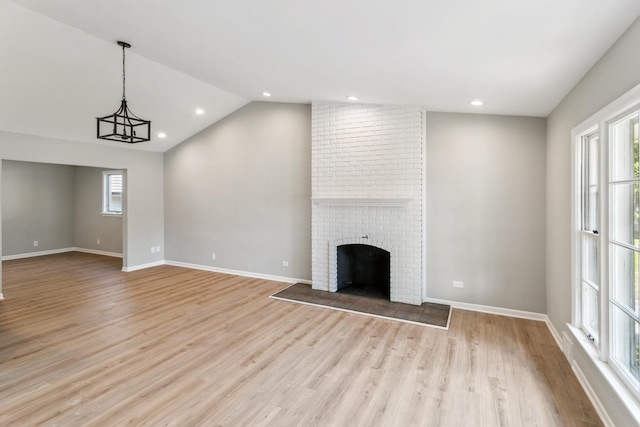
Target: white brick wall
368	152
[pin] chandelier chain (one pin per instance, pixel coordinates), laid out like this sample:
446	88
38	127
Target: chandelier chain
123	74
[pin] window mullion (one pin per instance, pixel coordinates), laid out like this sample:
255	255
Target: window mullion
634	316
604	179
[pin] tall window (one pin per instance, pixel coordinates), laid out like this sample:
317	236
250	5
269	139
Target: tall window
624	245
607	239
112	192
589	236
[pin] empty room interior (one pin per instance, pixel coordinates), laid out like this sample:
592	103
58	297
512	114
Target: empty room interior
418	213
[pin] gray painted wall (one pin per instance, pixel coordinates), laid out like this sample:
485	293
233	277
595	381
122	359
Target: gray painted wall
143	223
57	205
90	224
616	72
485	208
242	189
38	203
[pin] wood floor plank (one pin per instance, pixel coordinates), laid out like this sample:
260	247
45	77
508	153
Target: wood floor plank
84	344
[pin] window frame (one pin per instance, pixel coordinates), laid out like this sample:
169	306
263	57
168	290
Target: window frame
632	381
603	351
106	192
593	232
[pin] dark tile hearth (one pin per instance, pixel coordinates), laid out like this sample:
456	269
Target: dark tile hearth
428	313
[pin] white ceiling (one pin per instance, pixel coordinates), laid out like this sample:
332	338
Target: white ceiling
61	67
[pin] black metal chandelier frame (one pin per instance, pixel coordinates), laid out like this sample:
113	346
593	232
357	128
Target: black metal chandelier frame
123	125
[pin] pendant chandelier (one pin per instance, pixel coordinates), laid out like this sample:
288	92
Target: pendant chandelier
123	125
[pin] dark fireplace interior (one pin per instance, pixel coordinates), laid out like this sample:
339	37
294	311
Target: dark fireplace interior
364	270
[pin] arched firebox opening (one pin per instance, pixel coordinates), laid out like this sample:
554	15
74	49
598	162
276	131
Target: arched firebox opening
364	270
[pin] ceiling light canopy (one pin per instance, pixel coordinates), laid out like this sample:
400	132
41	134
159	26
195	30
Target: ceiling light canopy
267	94
199	111
123	125
352	98
477	103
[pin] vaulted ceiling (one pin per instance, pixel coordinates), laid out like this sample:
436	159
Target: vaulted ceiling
61	67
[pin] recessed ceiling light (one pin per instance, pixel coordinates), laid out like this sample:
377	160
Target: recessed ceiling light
162	135
352	98
267	94
477	103
199	111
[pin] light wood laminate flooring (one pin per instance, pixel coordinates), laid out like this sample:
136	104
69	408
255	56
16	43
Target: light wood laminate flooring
84	344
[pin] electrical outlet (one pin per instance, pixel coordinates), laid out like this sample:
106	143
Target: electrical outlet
457	284
153	249
98	242
213	256
157	249
285	263
35	243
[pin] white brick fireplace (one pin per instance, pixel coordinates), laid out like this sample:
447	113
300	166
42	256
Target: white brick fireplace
367	188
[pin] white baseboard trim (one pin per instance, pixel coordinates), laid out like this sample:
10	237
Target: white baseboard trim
554	332
59	251
237	272
142	266
591	394
35	254
1	296
491	310
97	252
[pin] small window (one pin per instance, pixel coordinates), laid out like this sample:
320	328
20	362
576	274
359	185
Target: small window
112	192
